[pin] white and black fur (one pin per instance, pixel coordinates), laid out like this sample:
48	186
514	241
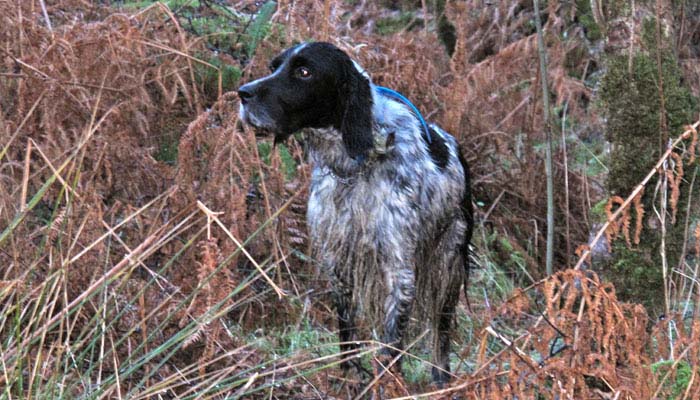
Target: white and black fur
389	211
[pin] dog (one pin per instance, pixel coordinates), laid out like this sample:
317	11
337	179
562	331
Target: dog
389	211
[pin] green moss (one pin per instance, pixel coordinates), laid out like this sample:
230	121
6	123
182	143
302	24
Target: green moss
260	27
390	25
585	17
637	275
614	9
167	151
598	213
289	164
416	371
677	383
208	77
447	32
222	28
631	96
590	156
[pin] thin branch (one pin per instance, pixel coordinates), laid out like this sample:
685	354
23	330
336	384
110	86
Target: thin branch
663	123
548	147
566	186
46	15
213	216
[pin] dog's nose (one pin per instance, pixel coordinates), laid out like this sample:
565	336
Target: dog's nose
245	93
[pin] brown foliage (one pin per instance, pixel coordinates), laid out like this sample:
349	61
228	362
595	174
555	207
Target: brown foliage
675	176
639	212
101	99
581	343
697	240
494	109
693	143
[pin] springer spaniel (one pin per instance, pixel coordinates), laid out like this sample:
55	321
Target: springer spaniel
389	212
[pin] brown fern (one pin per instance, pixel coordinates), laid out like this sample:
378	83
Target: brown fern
584	331
622	223
693	143
675	176
697	240
639	213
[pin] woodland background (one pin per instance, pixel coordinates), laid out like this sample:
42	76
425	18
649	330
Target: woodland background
150	247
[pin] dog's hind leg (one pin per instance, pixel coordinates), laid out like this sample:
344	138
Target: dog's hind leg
441	340
397	309
452	265
346	325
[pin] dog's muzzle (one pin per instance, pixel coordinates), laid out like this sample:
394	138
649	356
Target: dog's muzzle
252	110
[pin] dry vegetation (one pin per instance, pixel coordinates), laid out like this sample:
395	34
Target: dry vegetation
150	248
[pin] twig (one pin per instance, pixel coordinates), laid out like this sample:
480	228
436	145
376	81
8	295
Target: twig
661	214
693	280
21	124
121	223
663	123
53	170
686	230
493	205
277	247
46	15
25	177
127	261
549	255
521	354
690	383
211	214
566	185
385	369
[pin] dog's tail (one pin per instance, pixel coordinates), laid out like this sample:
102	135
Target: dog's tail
467	211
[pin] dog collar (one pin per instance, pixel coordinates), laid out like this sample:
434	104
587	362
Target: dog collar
398	96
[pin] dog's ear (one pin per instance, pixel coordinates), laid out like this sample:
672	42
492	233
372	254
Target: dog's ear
355	98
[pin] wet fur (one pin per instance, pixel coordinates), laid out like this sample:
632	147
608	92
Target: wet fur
389	214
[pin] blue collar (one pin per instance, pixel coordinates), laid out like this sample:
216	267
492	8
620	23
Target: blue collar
398	96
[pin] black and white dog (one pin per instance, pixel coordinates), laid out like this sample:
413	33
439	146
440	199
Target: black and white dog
390	207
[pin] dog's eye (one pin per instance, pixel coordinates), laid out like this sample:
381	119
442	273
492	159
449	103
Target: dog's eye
302	73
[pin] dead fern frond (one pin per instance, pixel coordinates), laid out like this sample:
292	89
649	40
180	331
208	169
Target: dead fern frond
55	227
207	277
693	143
674	181
583	248
697	240
606	229
584	337
639	214
195	337
615	224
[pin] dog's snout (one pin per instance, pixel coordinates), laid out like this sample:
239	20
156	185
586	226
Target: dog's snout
245	93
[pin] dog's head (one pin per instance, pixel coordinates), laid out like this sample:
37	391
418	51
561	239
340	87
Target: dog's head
312	85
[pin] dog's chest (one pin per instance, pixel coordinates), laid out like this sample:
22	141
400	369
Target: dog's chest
364	212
